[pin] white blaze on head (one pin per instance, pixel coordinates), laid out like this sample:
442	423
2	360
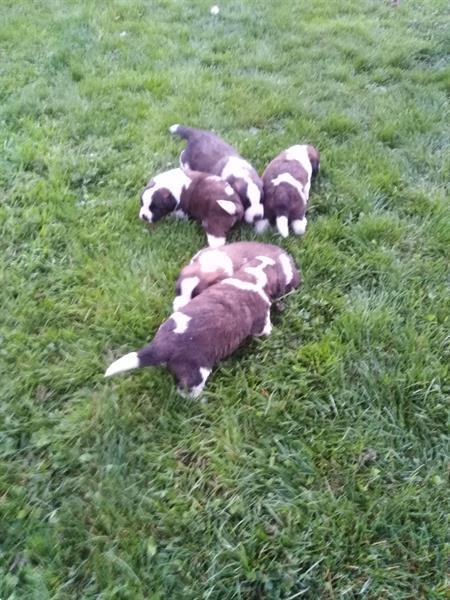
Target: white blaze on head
283	226
145	213
125	363
228	206
287	268
181	321
187	286
213	260
256	209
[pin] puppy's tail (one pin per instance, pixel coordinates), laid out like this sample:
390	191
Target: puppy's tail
145	357
181	130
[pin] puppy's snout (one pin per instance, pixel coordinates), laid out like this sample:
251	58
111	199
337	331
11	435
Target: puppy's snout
144	216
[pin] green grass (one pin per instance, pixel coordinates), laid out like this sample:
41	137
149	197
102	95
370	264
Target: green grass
317	468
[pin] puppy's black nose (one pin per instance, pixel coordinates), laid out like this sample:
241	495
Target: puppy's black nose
144	216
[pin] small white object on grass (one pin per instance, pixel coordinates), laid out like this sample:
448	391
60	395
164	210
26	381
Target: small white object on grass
214	10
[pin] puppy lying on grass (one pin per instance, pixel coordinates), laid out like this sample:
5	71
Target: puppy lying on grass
212	325
209	266
287	180
206	198
207	152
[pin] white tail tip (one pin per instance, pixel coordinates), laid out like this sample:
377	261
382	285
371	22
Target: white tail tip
174	128
125	363
283	226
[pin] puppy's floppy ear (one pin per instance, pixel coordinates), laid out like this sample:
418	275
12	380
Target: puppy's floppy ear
228	206
168	199
314	157
171	202
238	185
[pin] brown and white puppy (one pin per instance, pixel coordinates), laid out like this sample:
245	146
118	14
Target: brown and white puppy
207	152
209	266
287	180
211	326
206	198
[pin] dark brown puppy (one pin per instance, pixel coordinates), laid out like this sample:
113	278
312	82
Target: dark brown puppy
209	266
206	198
207	152
211	326
287	180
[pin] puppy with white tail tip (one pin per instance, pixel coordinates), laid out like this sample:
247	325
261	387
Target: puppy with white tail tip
210	266
287	181
206	198
211	326
207	152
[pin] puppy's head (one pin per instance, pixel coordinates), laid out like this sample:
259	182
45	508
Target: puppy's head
156	202
314	157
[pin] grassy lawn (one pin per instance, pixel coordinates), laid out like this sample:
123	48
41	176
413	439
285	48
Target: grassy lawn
317	468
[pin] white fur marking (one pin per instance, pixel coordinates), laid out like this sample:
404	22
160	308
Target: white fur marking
125	363
213	260
174	128
258	272
299	226
299	153
195	391
267	330
228	206
174	180
268	325
287	268
248	287
180	214
240	168
229	190
146	214
283	226
215	242
290	180
261	225
187	287
181	321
